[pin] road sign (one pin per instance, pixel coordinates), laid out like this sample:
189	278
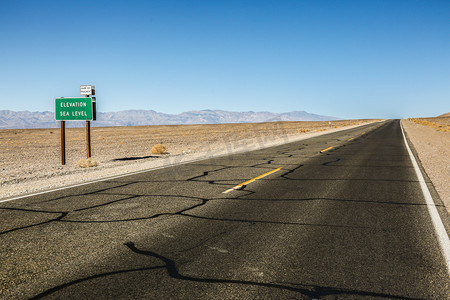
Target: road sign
73	109
87	90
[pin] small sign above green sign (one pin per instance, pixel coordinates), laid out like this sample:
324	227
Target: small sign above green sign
74	109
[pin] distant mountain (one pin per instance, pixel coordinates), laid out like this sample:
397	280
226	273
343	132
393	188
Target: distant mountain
444	115
25	119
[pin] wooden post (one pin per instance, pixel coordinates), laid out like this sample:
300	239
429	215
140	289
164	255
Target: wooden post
88	138
63	142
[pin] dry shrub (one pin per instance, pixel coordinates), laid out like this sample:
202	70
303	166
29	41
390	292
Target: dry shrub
438	127
158	149
303	130
87	163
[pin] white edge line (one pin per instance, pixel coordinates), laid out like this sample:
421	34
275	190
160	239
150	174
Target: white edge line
165	166
102	179
442	235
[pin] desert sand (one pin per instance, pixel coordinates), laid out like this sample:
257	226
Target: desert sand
431	139
31	158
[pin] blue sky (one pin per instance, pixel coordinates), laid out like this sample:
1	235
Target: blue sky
350	59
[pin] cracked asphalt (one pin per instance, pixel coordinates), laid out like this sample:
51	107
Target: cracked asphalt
349	223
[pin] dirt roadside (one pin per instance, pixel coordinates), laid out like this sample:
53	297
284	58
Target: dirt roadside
30	160
431	139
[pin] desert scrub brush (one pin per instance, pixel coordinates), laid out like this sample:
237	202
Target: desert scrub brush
87	163
158	149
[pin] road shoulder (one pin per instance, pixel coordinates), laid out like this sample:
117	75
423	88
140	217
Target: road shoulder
433	150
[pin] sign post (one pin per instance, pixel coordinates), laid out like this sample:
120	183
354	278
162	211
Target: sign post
88	137
88	90
76	109
63	142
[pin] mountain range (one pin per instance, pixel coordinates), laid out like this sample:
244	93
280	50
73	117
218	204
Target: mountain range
26	119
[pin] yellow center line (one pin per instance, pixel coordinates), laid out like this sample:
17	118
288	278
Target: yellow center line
326	149
363	133
350	139
251	180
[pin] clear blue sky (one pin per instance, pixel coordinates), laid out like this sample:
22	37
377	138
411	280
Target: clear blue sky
350	59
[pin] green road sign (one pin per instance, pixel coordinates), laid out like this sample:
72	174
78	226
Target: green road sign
73	109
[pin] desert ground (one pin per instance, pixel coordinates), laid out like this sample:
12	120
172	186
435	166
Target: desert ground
31	158
431	139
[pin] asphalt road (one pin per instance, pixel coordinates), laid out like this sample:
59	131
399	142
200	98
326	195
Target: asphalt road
350	222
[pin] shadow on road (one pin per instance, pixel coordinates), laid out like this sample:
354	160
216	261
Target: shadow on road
311	291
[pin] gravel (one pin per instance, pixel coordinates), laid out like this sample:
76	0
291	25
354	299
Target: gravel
433	149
